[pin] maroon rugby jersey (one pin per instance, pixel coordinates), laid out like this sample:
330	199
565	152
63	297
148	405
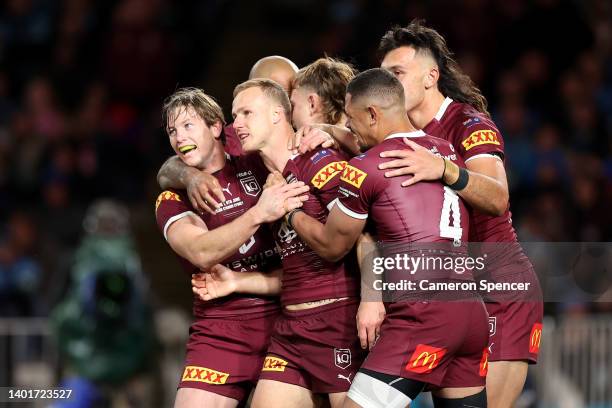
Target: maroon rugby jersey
474	134
306	276
241	179
426	212
232	142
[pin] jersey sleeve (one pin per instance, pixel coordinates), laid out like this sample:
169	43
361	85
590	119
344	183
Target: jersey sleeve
478	137
322	172
170	206
357	189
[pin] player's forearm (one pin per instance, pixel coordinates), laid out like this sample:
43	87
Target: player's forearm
174	173
315	235
483	193
213	246
345	138
259	283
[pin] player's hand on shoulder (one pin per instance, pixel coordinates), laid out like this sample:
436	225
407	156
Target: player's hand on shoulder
309	137
278	199
205	192
370	316
416	161
214	283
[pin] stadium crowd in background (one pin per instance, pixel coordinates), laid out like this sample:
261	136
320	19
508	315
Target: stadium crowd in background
81	85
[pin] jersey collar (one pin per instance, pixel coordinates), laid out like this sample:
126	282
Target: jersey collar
443	107
416	133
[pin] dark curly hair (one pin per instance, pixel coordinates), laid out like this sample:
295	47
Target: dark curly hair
452	82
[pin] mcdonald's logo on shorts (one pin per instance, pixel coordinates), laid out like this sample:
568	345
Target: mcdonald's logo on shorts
274	364
535	338
205	375
425	358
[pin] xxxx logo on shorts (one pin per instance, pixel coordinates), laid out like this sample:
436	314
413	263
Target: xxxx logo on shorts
535	338
166	196
274	364
480	137
425	358
327	173
205	375
353	175
484	363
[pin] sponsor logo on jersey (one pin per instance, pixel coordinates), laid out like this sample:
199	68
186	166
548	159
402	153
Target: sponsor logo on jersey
480	137
319	155
327	173
353	175
166	196
205	375
342	358
425	358
274	364
250	185
535	338
484	363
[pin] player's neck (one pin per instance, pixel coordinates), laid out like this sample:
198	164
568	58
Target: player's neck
421	115
216	160
275	153
398	126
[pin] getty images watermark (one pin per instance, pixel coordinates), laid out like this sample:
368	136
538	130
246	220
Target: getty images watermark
528	271
446	271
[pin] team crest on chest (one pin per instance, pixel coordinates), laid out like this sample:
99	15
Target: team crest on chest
250	185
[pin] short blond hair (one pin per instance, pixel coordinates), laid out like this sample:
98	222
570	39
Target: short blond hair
204	105
270	89
328	77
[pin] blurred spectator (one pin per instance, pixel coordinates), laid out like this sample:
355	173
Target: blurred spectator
20	273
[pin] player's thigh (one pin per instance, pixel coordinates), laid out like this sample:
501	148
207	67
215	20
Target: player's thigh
276	394
195	398
336	399
505	381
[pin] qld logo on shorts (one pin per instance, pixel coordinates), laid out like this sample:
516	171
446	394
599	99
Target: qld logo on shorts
492	326
342	358
274	364
425	358
250	185
535	338
205	375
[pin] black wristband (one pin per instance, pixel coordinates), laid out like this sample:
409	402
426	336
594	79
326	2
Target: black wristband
462	180
290	216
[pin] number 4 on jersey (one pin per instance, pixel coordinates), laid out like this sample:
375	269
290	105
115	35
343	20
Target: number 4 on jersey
450	208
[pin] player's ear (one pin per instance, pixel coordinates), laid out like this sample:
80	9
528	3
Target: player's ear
373	115
216	129
431	78
277	114
313	103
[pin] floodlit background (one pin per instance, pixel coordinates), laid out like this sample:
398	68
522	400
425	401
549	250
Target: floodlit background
91	296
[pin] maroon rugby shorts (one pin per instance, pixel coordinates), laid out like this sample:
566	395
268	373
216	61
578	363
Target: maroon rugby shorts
225	356
317	348
441	343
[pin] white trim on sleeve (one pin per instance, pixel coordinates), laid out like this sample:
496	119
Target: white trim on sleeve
175	218
476	156
331	204
350	212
